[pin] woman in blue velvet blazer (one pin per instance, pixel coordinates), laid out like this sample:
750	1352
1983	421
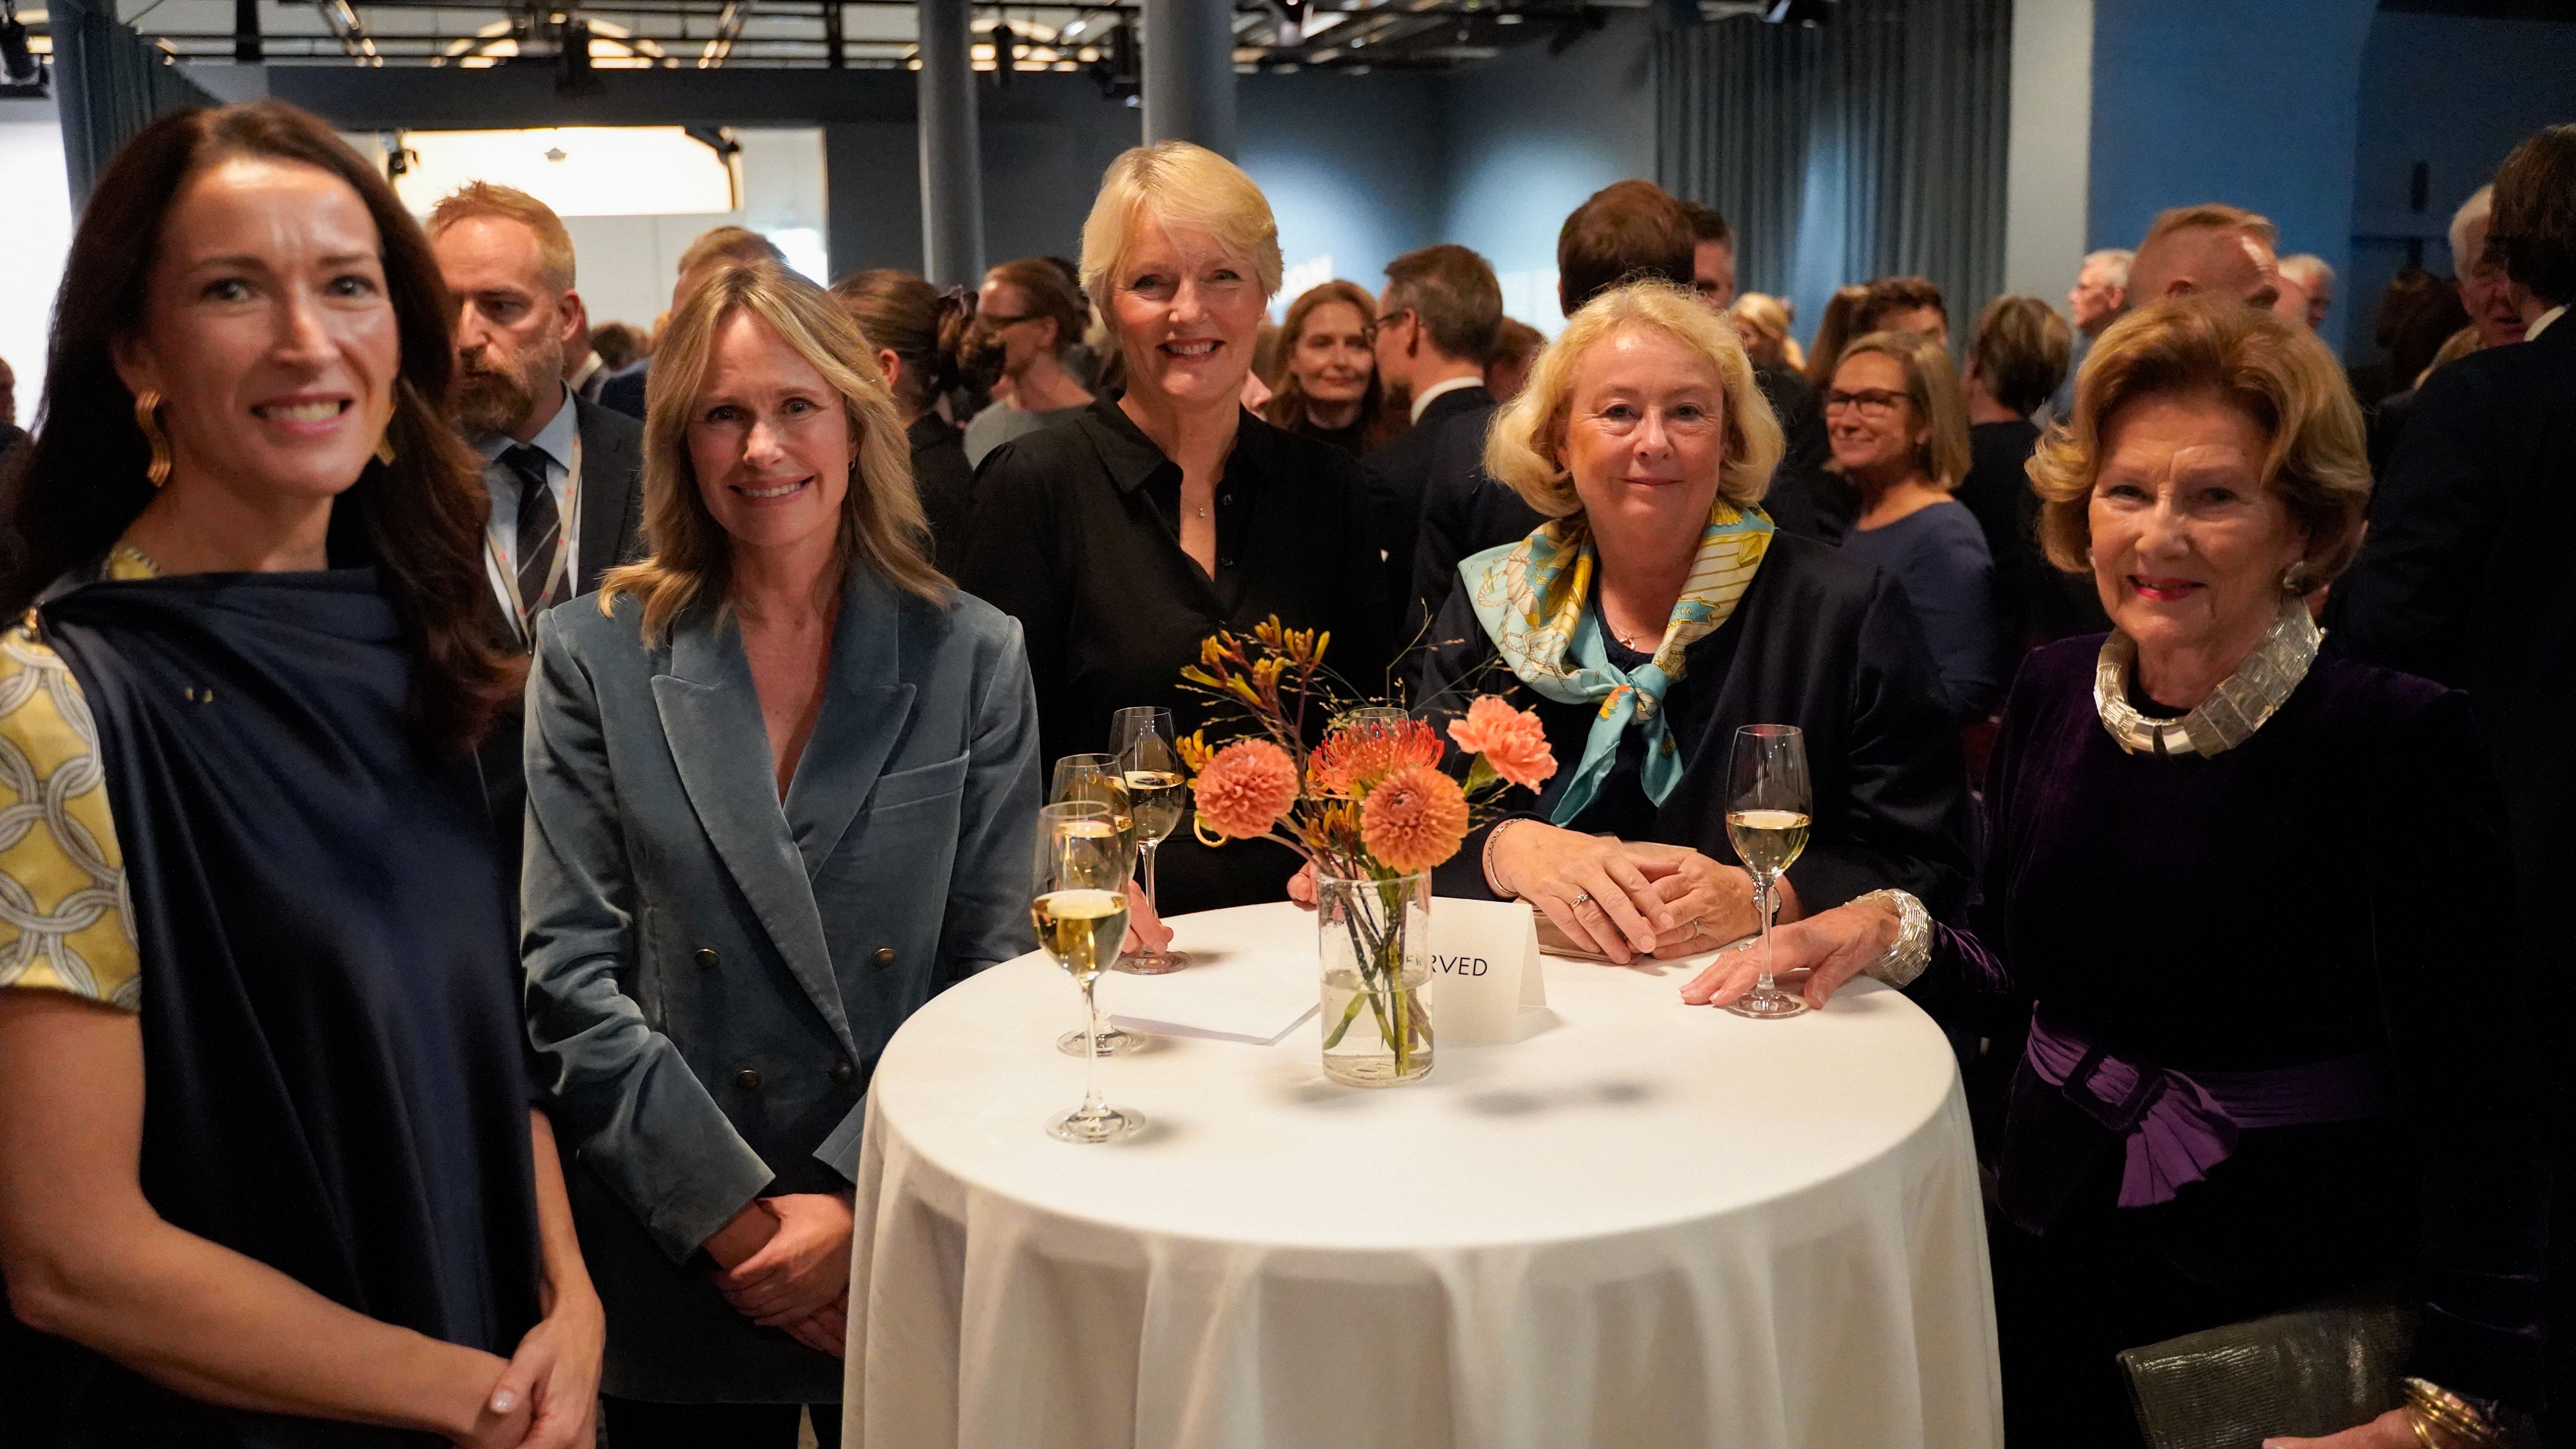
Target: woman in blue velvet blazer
780	783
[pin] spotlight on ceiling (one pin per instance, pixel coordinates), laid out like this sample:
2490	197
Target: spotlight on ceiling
1807	14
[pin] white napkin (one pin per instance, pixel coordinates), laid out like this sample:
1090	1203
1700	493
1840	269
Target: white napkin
1253	997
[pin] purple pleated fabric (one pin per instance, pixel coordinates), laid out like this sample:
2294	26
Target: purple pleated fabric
2179	1126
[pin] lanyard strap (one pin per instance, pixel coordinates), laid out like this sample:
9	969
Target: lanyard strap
564	532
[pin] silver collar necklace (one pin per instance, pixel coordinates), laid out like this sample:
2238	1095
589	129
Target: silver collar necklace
2233	711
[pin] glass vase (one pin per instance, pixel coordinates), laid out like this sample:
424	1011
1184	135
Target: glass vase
1376	939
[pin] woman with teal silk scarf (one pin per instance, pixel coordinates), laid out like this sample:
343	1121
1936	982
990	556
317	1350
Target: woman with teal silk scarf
1656	612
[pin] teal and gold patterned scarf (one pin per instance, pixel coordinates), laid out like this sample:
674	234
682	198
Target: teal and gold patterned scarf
1535	600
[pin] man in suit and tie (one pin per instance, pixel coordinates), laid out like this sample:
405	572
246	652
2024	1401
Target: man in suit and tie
1439	316
561	470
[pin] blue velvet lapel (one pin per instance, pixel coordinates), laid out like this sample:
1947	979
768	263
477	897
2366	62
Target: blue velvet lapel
711	719
865	708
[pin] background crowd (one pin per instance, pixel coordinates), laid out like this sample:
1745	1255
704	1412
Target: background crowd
376	611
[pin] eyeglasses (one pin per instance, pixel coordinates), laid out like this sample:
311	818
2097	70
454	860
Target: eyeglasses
1874	402
1395	316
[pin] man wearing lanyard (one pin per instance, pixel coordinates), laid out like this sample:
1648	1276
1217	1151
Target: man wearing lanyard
561	470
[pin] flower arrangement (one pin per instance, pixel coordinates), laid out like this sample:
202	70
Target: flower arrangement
1370	799
1367	805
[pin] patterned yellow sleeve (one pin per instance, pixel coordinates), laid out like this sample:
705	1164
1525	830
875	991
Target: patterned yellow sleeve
65	921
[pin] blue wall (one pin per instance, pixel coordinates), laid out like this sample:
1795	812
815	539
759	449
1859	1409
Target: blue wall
2456	94
2249	102
1531	135
1352	165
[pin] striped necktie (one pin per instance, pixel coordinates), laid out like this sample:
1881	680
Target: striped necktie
540	525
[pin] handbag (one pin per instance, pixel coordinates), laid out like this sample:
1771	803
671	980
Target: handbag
2310	1371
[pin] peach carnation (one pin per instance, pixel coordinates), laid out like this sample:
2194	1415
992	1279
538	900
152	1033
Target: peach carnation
1355	757
1245	788
1414	819
1511	740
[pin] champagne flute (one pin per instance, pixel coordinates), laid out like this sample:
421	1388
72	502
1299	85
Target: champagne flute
1096	778
1079	901
1149	761
1768	806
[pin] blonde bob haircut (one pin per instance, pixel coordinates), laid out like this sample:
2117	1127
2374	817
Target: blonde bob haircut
1525	448
1186	188
690	557
1932	386
2281	377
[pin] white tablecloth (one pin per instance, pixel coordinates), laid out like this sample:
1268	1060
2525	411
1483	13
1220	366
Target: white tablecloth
1648	1225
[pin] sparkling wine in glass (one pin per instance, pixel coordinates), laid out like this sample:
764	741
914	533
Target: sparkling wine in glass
1079	902
1768	809
1096	778
1149	761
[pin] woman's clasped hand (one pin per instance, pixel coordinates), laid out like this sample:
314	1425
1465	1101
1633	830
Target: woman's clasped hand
1613	898
785	1263
1619	898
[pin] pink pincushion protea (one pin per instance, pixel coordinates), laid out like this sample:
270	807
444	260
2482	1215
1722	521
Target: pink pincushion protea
1511	740
1355	757
1414	819
1245	788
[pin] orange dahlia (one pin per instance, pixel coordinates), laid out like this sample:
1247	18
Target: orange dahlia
1414	819
1355	757
1245	788
1511	740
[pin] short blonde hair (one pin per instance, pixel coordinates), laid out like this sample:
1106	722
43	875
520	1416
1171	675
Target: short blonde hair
483	198
2280	376
1182	186
1932	385
2211	216
882	526
1522	450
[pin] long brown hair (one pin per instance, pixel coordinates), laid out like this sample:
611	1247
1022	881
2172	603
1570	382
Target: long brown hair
882	526
1287	406
419	520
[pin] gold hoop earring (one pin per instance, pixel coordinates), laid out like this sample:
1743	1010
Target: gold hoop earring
385	448
146	404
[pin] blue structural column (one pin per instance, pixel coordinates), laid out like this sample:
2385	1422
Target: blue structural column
952	174
1189	73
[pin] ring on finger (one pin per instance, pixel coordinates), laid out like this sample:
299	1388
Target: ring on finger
1582	899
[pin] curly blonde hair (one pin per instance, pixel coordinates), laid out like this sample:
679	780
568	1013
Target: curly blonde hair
1522	451
2281	377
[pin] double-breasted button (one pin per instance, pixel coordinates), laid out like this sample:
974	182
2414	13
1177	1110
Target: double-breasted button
707	957
748	1079
844	1074
883	958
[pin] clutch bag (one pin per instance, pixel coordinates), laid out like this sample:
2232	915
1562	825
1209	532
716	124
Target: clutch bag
2309	1371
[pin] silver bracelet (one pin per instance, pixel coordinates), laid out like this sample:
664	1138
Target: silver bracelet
1911	951
1491	836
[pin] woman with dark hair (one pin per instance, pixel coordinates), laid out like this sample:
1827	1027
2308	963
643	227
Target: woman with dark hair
1033	317
266	1138
1837	327
1329	389
917	331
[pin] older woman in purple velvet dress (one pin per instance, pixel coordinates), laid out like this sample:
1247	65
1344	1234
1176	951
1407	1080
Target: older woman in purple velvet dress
2277	1051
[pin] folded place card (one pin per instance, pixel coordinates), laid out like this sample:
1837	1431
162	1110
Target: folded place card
1254	997
1486	985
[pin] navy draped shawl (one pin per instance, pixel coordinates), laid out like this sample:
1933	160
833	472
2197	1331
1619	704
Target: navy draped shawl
334	1078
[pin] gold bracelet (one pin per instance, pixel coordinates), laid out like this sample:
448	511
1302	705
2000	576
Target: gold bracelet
2423	1431
2430	1404
1491	836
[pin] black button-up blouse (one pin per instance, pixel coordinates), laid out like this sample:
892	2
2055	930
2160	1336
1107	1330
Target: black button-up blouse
1077	535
